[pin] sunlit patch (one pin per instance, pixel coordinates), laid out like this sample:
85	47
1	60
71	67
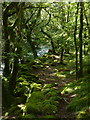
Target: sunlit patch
58	74
63	78
56	56
35	85
77	87
56	70
73	95
6	113
21	105
5	79
81	114
68	90
47	67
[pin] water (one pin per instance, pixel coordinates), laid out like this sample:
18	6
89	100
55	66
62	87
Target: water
42	51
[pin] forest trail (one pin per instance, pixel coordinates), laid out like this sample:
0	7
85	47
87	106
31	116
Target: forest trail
48	74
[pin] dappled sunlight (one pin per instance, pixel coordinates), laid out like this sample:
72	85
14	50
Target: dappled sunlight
73	95
57	57
67	90
63	79
77	87
58	74
45	60
48	67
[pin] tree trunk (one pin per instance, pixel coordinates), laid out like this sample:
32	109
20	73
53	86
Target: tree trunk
80	37
52	43
62	54
7	42
87	22
7	45
53	48
12	81
13	78
75	42
32	45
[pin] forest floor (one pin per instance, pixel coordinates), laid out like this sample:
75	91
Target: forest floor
49	74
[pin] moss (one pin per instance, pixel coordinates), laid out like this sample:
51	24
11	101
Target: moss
29	116
83	115
43	103
47	117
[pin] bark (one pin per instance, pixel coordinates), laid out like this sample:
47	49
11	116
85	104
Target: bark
75	41
12	82
13	77
80	37
85	44
87	22
62	54
32	45
7	42
30	30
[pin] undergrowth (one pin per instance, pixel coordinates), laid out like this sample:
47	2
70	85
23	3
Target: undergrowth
35	99
80	103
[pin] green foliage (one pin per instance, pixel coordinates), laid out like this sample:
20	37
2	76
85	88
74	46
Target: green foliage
84	115
86	65
25	73
43	59
36	86
22	85
51	92
23	67
78	103
15	110
47	117
81	102
42	102
29	116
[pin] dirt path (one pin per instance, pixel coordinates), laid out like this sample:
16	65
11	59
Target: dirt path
48	75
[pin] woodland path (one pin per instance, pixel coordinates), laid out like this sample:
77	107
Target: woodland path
48	75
